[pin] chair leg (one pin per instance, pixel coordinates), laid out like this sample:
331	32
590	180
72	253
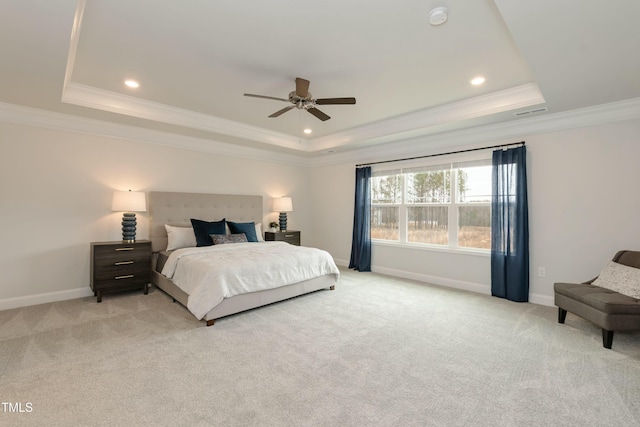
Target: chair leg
607	338
562	315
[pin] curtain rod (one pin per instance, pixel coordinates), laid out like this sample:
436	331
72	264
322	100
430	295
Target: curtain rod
441	154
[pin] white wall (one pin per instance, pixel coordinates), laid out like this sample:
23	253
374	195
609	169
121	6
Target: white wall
584	200
55	198
583	206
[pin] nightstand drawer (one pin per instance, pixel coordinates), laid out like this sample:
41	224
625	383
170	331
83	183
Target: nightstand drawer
293	238
107	254
125	281
138	268
109	263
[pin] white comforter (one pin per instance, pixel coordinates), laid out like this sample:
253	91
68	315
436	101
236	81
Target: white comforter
211	273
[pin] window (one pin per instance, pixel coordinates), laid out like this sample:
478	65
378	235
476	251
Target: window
386	198
447	205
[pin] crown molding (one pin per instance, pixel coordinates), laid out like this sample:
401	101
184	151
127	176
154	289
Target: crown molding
496	102
73	43
88	96
12	113
518	129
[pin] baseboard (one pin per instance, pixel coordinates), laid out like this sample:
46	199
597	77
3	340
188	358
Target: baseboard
451	283
435	280
542	300
9	303
341	262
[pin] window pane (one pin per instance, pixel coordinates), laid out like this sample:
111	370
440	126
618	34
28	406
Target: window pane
429	187
428	224
474	227
386	189
474	184
384	222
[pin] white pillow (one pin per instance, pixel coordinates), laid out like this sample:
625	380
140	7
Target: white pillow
180	237
620	278
259	232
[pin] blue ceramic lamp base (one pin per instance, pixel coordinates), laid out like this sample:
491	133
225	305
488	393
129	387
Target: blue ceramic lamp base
129	227
283	221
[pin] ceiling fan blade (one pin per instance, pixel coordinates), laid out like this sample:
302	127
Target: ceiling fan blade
266	97
319	114
335	101
284	110
302	87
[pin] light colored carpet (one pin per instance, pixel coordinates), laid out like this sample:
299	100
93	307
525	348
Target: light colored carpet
377	351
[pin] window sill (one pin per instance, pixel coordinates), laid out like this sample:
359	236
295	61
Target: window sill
433	248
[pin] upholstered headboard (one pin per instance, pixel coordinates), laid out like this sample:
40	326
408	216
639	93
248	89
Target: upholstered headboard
178	208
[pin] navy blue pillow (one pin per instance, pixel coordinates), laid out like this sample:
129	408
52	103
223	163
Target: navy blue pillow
204	229
248	228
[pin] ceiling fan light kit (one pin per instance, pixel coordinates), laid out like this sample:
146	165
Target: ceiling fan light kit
302	99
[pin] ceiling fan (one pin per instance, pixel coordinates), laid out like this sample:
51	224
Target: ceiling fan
301	99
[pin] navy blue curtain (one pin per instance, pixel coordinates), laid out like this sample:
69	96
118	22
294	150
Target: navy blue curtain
510	226
361	240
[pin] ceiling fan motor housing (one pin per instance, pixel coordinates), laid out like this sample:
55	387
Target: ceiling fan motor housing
300	102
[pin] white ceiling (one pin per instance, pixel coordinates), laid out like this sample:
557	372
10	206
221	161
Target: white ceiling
196	59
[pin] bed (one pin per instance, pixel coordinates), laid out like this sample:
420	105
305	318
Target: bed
177	209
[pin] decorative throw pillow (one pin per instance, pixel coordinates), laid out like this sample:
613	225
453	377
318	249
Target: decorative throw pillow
222	239
248	228
258	227
203	230
620	278
180	237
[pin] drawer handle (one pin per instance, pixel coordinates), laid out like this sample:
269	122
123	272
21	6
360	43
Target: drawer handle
124	249
288	235
124	262
128	276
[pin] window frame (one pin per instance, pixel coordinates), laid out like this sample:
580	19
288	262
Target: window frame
453	206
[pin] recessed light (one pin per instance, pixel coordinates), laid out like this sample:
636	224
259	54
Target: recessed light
307	131
132	83
477	81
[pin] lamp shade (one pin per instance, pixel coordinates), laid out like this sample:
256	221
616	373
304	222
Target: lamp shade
282	204
129	201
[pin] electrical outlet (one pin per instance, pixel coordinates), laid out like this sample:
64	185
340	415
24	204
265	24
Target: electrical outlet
542	272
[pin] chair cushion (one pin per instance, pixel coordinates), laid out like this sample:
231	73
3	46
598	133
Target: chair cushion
602	299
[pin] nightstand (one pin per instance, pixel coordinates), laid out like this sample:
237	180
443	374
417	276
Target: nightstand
288	236
118	266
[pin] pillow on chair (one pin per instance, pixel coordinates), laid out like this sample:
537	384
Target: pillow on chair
620	278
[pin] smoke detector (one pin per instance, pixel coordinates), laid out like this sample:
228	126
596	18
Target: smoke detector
438	16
